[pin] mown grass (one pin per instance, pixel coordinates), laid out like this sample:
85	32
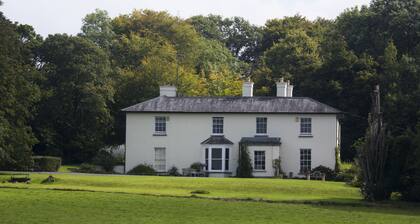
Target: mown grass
68	168
21	206
253	188
80	198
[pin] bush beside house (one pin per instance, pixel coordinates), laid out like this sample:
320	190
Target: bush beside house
46	163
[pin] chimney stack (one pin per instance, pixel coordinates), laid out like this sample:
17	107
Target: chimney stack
281	88
289	89
247	88
167	91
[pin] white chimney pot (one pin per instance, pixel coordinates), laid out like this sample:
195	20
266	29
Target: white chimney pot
281	88
290	90
247	89
167	91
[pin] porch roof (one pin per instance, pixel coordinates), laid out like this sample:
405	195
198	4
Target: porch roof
217	140
260	140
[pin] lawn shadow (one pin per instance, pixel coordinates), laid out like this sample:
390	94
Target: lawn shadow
385	207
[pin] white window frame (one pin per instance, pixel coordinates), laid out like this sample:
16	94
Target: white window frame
214	123
305	160
160	121
225	157
255	160
256	125
160	159
305	126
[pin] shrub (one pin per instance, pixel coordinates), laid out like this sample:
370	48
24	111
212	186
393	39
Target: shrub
105	160
46	163
142	169
329	173
350	173
173	171
87	168
197	166
244	164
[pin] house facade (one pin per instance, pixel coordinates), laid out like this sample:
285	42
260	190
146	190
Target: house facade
177	131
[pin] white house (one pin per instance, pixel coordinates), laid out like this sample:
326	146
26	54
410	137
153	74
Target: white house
177	131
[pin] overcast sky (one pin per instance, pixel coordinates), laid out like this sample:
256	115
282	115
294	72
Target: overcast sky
60	16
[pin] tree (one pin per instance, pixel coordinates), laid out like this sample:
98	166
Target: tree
97	27
19	93
73	117
295	57
373	155
237	34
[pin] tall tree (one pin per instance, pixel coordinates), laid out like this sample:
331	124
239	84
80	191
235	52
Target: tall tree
373	155
73	117
97	27
237	34
19	93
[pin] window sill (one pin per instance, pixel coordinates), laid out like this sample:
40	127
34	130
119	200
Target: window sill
259	171
218	171
261	135
159	134
306	136
217	134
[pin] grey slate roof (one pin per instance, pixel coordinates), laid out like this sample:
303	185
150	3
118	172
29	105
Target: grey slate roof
217	140
260	140
232	105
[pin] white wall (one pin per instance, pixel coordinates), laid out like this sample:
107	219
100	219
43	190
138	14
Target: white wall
185	132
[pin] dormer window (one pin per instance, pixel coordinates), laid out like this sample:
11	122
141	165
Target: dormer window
306	126
218	125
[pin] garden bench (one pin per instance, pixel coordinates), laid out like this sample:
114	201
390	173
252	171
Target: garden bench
316	175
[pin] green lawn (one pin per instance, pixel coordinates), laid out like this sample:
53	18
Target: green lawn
134	199
67	168
268	189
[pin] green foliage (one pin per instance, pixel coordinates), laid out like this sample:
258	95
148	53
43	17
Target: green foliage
277	167
77	91
97	27
329	173
244	163
351	174
46	163
237	34
87	168
105	160
142	169
19	94
197	166
337	166
173	171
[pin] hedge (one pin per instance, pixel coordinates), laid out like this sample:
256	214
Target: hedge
46	163
142	169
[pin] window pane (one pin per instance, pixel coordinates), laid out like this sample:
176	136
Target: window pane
259	160
160	159
261	125
226	159
216	164
217	125
216	153
160	124
305	160
305	125
206	154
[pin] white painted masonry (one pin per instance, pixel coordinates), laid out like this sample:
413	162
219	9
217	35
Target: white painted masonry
185	132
